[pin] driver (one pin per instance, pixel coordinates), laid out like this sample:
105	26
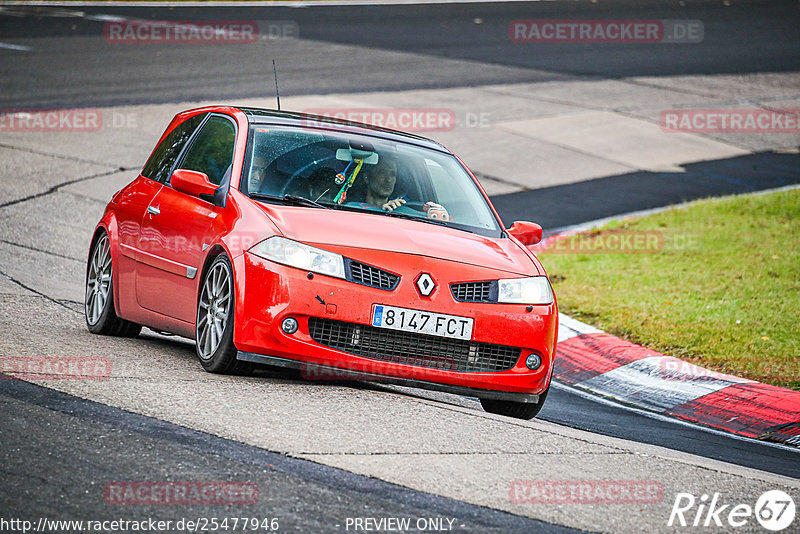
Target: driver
380	181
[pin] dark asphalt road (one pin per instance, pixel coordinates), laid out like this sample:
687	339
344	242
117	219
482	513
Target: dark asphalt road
365	48
455	45
565	408
59	452
565	205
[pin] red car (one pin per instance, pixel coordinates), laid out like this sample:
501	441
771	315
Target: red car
341	249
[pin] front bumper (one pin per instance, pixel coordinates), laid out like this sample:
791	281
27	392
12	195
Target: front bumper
267	293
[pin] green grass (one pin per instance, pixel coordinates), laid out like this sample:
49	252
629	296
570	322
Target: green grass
723	292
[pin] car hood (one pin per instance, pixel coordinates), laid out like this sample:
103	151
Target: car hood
375	232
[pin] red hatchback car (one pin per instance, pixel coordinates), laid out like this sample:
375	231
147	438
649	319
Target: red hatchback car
341	249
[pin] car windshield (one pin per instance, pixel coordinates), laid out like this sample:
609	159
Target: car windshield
340	170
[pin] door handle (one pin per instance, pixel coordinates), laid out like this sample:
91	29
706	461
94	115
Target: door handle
153	210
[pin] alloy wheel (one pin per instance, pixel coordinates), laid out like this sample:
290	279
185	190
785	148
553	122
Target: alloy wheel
215	305
98	281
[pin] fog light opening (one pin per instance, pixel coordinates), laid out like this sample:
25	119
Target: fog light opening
289	325
533	362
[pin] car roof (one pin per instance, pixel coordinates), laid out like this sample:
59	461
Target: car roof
291	118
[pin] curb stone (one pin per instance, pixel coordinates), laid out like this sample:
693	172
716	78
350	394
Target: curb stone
594	361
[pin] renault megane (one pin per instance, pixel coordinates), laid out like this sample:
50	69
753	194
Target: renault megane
294	240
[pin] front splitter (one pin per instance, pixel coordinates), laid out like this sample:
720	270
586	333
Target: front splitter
341	374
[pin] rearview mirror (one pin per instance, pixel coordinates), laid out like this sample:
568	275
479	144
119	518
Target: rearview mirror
192	183
528	233
344	154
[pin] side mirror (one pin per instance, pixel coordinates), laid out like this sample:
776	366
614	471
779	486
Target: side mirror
192	183
528	233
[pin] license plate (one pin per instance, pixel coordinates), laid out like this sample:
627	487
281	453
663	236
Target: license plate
422	322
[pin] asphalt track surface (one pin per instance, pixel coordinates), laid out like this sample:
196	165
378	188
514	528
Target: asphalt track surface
77	440
749	36
366	48
103	442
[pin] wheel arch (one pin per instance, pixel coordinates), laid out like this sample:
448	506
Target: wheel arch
214	252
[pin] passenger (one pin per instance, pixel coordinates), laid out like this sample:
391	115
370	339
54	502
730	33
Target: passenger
257	173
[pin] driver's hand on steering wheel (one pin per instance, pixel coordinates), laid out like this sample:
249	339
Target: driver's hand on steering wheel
393	204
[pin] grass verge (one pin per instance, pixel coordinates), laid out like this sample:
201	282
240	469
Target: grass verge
715	282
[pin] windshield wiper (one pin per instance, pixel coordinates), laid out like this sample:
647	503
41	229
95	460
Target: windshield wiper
292	199
303	201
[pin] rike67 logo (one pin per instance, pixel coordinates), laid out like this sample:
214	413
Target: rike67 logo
774	510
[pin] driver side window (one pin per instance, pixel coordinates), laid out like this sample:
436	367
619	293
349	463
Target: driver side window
212	150
160	163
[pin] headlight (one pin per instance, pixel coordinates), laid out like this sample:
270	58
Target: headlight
535	290
294	254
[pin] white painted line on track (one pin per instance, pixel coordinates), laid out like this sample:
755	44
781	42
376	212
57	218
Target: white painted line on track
106	18
665	418
655	383
569	328
21	48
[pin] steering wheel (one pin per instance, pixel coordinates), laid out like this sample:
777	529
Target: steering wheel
412	205
301	171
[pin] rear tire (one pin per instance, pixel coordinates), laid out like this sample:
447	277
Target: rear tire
214	321
517	410
98	308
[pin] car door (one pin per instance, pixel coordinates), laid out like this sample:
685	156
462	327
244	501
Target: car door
132	203
176	226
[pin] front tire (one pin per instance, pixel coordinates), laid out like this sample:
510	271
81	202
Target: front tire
101	318
214	321
517	410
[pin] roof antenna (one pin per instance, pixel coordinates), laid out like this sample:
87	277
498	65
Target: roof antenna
277	93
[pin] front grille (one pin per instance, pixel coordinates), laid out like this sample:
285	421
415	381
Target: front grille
475	291
412	349
367	275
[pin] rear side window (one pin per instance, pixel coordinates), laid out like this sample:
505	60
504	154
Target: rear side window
160	163
212	150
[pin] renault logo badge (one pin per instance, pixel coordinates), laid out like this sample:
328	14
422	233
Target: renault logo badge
425	284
